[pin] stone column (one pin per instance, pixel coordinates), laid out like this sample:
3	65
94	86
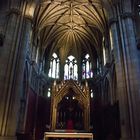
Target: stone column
132	70
12	59
80	70
61	70
25	44
127	73
121	79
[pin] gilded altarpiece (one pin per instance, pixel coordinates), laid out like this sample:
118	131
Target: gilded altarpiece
81	94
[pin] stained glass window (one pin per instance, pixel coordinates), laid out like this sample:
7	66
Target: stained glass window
87	67
54	66
70	68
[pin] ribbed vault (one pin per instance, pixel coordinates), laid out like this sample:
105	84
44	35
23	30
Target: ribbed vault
70	26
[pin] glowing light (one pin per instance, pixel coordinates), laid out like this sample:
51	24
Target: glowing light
111	40
91	94
104	56
30	9
49	93
73	97
37	55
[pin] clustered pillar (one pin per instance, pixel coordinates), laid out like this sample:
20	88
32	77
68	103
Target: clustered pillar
127	67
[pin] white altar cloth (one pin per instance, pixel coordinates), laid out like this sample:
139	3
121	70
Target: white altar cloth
67	135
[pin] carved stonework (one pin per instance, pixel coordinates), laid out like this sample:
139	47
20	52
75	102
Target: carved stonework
127	15
81	94
112	20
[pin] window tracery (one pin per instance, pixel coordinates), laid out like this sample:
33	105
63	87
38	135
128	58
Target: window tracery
71	68
54	67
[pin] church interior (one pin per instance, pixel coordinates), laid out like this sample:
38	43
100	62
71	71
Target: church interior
70	66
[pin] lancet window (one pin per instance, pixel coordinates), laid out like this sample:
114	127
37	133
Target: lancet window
54	67
87	67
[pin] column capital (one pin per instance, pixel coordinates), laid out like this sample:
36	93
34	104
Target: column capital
18	12
115	2
112	21
14	11
29	18
127	15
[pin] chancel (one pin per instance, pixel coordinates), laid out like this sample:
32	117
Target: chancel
69	69
70	106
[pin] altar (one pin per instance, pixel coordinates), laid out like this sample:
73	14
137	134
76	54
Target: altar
48	135
70	112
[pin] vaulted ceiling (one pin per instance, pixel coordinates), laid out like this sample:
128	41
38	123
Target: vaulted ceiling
70	26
